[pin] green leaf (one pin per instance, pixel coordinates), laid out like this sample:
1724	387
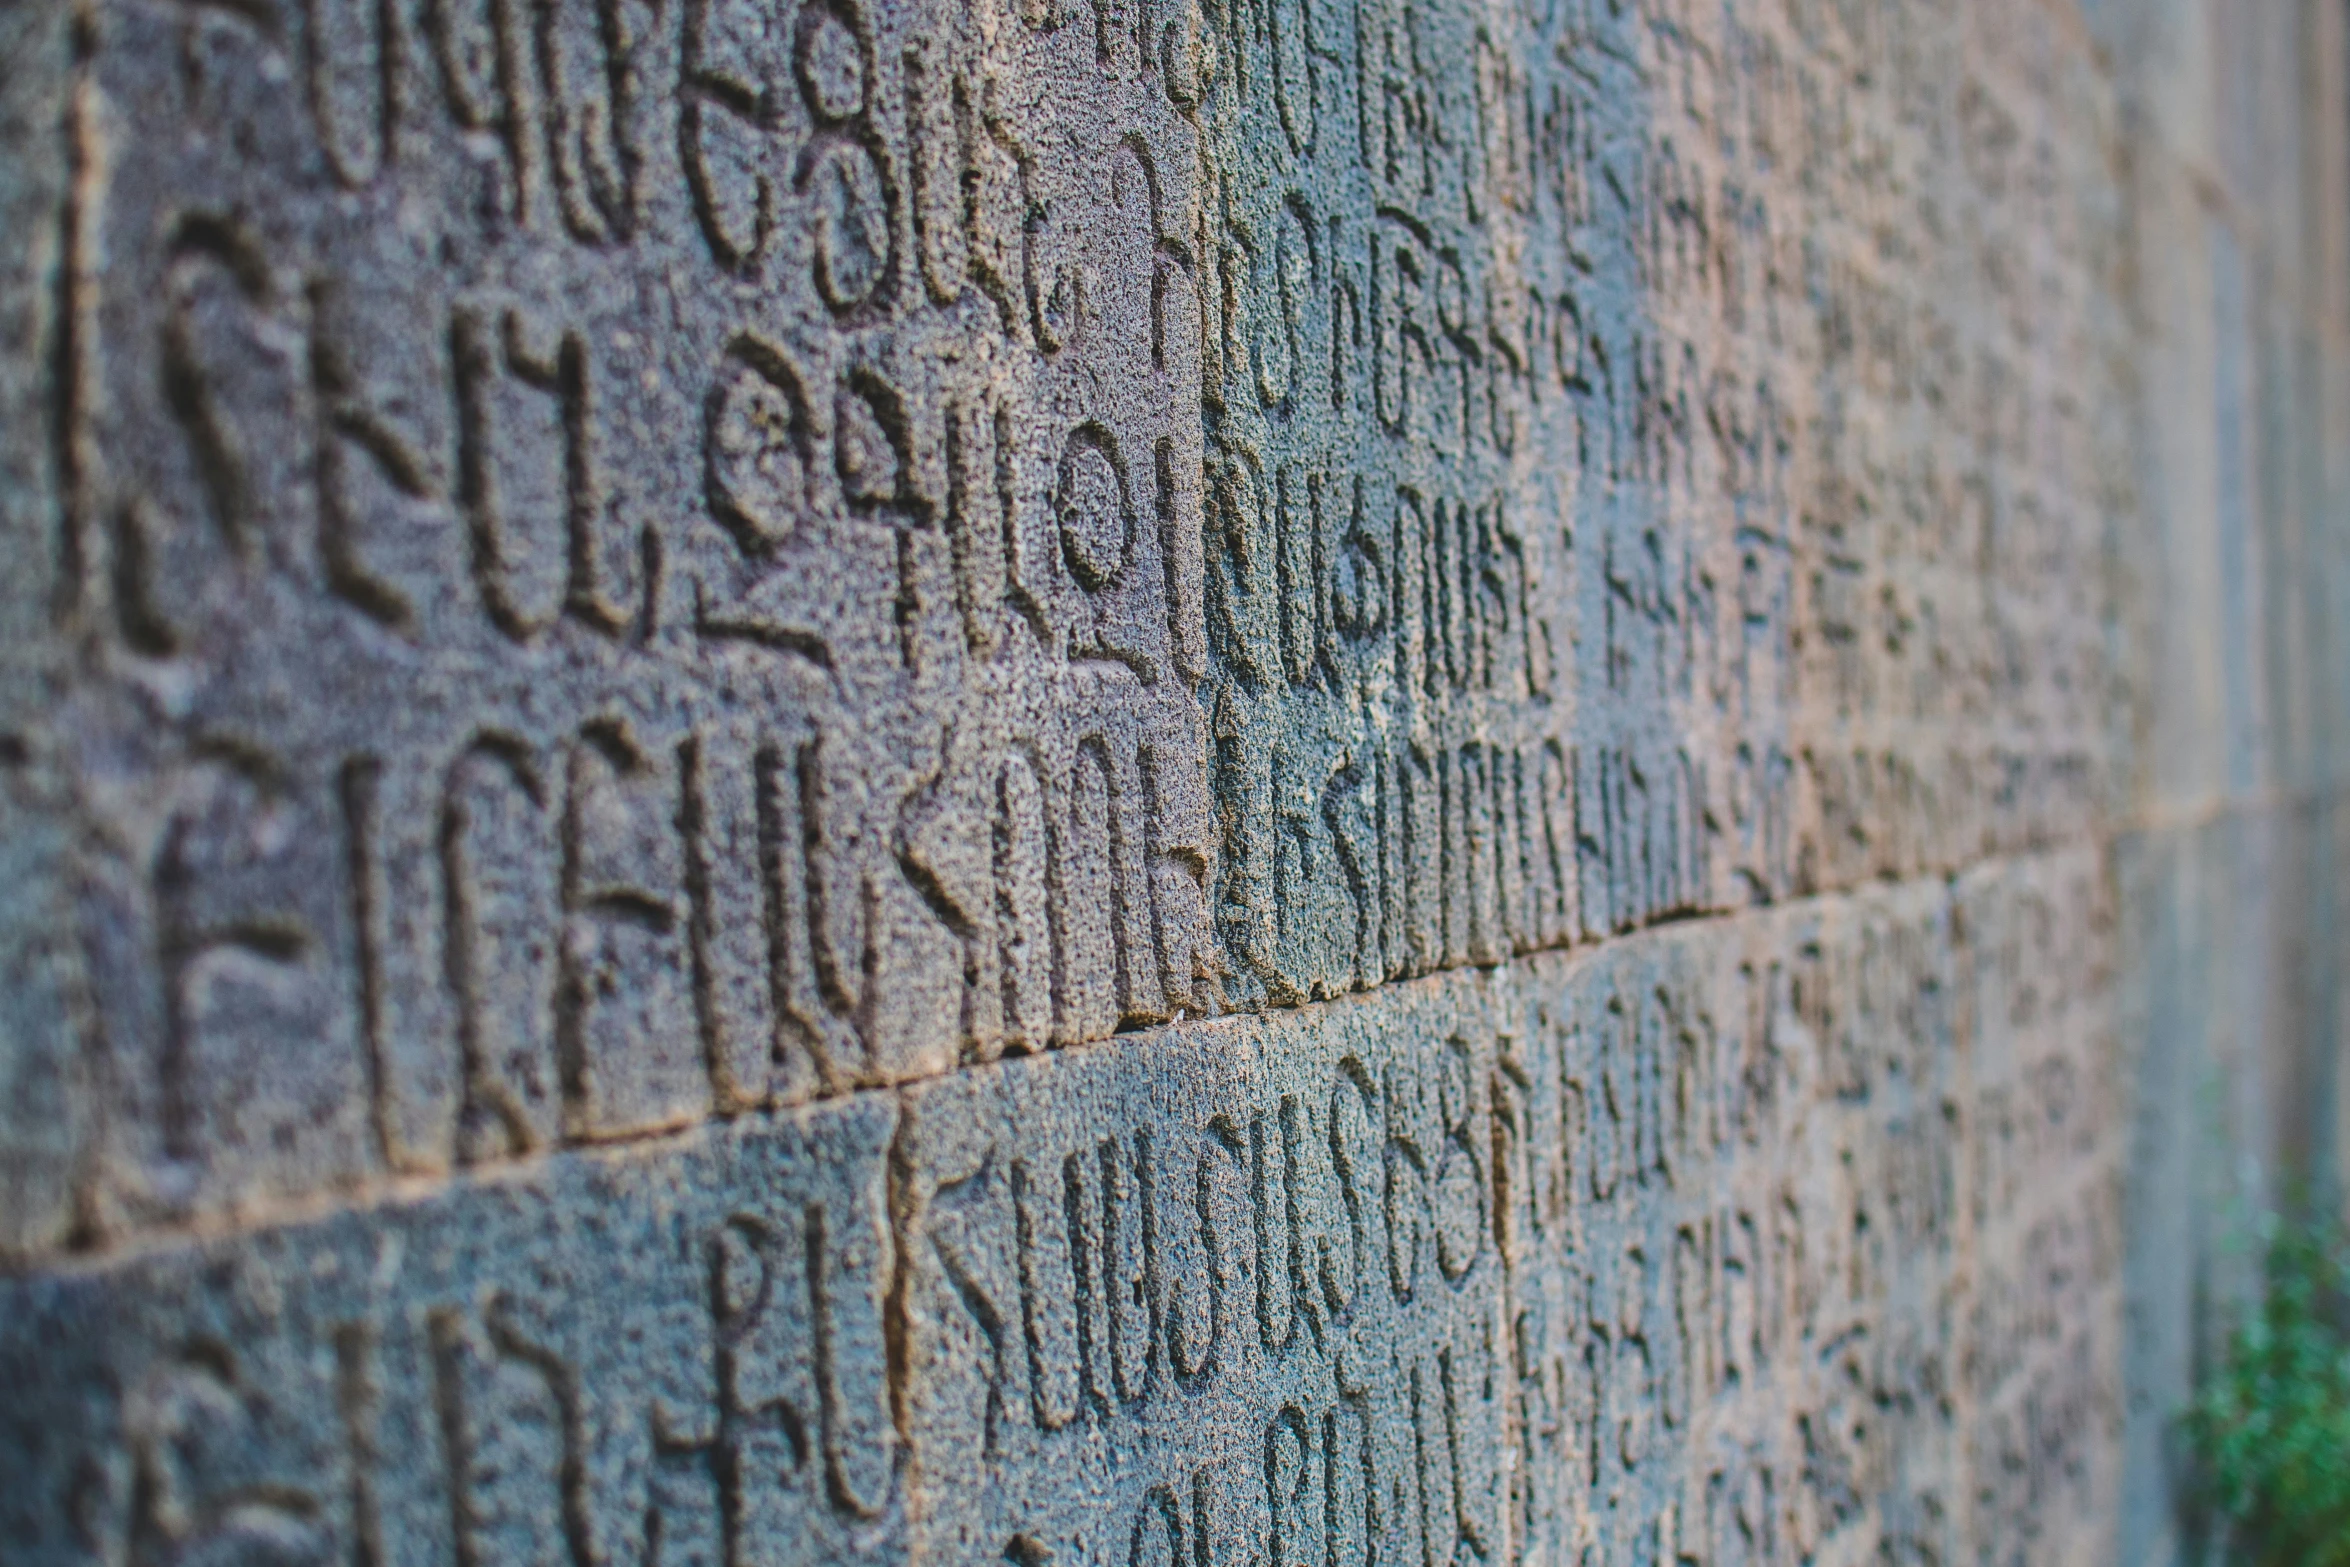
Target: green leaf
2271	1428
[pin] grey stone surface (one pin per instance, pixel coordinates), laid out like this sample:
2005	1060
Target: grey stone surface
792	780
1681	1249
2228	852
690	559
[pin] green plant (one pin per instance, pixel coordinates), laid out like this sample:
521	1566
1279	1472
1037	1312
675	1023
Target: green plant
2271	1429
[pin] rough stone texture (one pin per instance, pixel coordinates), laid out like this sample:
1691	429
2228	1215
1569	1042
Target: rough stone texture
1677	1247
2229	846
711	712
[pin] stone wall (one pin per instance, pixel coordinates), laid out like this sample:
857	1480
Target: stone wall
2228	846
1277	780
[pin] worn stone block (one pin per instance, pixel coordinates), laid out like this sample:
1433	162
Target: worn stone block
1793	1229
608	566
673	1355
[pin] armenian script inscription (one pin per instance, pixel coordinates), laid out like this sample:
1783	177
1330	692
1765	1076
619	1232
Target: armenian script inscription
1161	781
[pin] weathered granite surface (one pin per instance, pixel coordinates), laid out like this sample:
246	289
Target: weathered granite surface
1683	1248
2229	853
1167	781
690	560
